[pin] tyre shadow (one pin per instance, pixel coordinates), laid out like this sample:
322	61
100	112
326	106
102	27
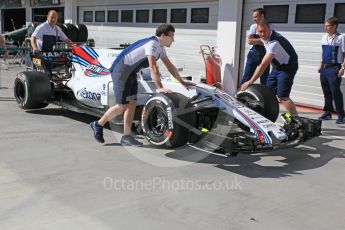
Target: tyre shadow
279	163
273	164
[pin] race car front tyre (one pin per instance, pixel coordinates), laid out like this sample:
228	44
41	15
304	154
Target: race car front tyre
32	90
167	119
267	106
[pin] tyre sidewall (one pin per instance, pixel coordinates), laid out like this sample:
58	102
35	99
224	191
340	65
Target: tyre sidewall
165	105
267	95
20	81
72	32
179	120
36	90
82	33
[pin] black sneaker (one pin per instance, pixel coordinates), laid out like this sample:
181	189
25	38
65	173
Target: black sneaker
340	120
97	131
128	140
326	116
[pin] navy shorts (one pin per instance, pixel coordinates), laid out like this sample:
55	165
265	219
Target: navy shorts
125	83
125	90
281	82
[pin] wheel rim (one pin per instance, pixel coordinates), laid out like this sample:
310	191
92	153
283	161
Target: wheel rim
158	122
20	91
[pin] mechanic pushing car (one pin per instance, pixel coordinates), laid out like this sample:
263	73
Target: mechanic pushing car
141	54
284	60
47	34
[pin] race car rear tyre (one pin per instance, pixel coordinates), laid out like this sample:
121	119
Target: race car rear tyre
167	119
82	33
32	90
63	28
72	32
262	93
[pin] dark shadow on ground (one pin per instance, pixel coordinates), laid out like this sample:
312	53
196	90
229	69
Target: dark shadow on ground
285	162
290	161
81	117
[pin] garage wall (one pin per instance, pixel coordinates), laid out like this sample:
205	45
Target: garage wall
126	2
306	39
188	36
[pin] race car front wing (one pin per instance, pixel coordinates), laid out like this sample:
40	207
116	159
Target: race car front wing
298	130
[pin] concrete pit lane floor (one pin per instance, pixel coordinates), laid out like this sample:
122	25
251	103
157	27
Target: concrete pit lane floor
53	175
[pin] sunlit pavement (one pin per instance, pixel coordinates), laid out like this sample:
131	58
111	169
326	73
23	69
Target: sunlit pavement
53	175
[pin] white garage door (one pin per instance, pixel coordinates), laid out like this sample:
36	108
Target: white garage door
301	22
195	22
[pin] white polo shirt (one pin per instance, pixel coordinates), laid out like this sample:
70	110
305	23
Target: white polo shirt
275	48
147	47
138	52
46	29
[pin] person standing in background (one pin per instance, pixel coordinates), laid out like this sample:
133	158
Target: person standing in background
331	69
47	34
257	51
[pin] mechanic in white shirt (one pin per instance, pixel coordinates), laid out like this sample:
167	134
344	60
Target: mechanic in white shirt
141	54
47	34
331	69
284	60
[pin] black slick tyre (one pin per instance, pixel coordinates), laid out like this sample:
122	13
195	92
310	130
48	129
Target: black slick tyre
167	119
71	32
32	90
82	33
266	96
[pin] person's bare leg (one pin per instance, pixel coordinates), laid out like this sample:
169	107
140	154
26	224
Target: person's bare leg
111	113
128	117
2	42
3	46
290	106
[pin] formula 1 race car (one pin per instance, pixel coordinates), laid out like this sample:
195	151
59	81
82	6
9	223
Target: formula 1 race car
204	116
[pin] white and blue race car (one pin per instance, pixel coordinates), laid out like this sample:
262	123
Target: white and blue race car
204	116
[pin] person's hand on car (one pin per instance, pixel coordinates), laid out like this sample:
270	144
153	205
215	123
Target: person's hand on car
186	84
164	90
245	85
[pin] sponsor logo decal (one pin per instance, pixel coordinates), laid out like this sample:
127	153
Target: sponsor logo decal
269	126
89	95
96	70
37	62
263	121
170	118
88	58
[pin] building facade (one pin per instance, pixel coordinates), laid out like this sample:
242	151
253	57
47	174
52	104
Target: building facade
220	23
